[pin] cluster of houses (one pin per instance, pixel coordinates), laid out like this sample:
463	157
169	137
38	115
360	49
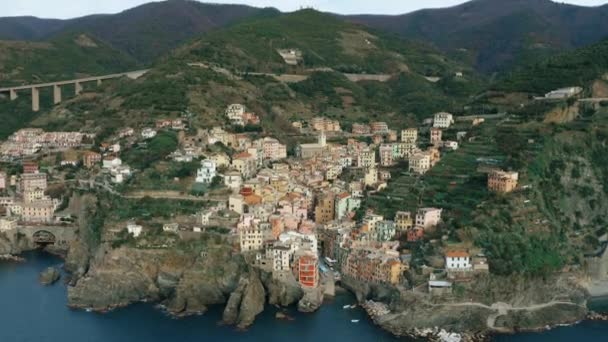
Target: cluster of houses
291	215
29	141
28	202
238	115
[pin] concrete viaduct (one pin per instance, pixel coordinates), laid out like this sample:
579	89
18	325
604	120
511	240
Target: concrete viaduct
35	88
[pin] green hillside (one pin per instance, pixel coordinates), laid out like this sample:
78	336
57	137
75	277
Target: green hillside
575	68
64	57
325	41
184	82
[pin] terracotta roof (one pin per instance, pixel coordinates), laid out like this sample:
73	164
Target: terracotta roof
343	195
242	155
457	254
253	200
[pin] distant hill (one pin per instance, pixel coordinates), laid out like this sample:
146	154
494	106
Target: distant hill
29	28
496	34
144	32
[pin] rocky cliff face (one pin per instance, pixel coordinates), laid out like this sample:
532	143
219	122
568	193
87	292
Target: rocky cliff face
283	292
312	300
186	282
13	243
246	302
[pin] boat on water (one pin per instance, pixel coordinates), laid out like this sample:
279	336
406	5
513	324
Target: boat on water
354	321
346	307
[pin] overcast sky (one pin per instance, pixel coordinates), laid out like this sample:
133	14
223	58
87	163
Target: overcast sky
76	8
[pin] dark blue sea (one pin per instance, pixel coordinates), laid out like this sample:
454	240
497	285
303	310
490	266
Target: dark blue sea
30	312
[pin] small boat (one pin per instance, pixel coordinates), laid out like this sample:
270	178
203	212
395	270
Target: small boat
346	307
354	306
354	321
88	310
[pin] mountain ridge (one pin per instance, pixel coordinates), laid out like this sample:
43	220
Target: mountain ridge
495	34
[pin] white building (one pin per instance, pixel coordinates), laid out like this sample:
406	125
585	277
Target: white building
428	217
235	113
134	229
111	162
458	261
281	256
233	180
148	133
205	217
371	220
206	172
171	227
564	93
236	203
120	173
443	120
450	145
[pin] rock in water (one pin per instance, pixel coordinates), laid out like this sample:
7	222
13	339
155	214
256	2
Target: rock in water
253	301
312	300
246	302
49	276
231	312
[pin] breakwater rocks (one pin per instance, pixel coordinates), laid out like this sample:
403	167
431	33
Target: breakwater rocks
597	316
377	311
12	258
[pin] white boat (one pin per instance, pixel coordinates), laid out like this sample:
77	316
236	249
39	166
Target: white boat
346	307
354	306
354	321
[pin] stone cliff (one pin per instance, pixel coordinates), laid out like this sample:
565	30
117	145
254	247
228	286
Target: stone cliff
487	305
246	302
186	282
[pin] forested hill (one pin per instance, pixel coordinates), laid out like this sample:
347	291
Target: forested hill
497	34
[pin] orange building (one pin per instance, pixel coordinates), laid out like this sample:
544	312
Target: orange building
90	159
308	270
502	182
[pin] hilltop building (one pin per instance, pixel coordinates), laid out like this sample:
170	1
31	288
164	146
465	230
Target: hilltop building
502	181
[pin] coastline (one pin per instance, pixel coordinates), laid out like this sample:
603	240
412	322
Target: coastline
376	311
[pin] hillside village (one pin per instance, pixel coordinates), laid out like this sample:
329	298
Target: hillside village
235	170
299	215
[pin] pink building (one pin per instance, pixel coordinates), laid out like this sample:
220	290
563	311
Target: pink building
2	180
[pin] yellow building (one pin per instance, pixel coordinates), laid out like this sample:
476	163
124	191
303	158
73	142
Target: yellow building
325	209
403	221
502	182
409	135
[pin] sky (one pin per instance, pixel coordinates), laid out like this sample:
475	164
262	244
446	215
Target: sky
75	8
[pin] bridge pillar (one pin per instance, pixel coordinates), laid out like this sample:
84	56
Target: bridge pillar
56	94
98	82
78	88
13	94
35	99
